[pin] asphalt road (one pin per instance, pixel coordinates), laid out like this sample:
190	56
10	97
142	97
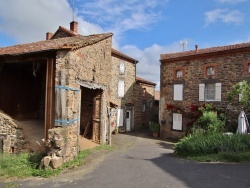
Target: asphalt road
146	163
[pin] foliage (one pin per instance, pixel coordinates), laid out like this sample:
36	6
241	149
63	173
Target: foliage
200	144
154	127
26	164
211	120
240	91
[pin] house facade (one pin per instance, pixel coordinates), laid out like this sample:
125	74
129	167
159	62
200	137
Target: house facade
193	78
73	85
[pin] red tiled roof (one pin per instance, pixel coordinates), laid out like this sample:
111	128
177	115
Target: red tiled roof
205	51
138	79
72	33
118	53
70	43
114	52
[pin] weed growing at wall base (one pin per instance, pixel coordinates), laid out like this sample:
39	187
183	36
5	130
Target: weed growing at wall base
25	165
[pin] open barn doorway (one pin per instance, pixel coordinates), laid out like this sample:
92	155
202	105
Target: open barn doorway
90	117
22	96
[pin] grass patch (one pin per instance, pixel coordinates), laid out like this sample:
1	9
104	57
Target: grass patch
25	165
241	157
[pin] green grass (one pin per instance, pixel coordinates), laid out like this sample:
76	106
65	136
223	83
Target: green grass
242	157
25	165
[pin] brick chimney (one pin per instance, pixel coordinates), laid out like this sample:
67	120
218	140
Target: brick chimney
196	48
74	26
48	35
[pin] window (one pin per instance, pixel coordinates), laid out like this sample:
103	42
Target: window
210	71
122	67
248	67
144	92
179	74
121	88
210	92
178	92
143	107
177	121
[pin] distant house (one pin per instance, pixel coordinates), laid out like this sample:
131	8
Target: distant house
193	78
68	85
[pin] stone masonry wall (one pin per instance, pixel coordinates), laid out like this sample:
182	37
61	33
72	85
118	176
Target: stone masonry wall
129	80
230	70
142	118
11	135
89	65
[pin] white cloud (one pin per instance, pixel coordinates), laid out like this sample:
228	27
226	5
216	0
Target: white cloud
230	1
121	16
149	65
224	15
29	20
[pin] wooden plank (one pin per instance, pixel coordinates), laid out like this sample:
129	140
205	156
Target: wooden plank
50	96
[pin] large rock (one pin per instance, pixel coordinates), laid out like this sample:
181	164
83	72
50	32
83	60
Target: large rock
56	162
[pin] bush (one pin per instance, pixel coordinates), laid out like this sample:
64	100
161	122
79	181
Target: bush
200	144
154	127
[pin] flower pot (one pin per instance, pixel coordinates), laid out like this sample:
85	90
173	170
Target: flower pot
155	134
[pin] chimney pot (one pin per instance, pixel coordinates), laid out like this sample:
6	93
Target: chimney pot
196	48
74	26
48	35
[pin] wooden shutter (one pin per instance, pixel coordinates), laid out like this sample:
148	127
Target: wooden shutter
218	92
177	121
121	88
120	117
201	92
178	92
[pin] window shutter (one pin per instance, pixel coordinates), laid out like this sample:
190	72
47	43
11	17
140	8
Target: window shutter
178	92
218	92
177	121
120	117
121	88
201	92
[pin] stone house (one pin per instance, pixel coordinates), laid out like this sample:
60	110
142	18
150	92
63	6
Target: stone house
193	78
51	81
144	102
70	84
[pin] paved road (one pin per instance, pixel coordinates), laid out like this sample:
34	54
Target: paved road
146	163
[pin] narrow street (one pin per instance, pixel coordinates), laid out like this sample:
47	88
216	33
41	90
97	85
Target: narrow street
142	161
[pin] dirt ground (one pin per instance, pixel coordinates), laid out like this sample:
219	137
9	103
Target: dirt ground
34	133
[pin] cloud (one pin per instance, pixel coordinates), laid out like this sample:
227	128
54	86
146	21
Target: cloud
149	65
224	15
29	20
230	1
121	16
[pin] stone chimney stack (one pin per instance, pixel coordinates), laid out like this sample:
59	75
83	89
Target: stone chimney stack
74	26
48	35
196	48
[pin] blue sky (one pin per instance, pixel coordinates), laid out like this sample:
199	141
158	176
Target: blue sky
143	29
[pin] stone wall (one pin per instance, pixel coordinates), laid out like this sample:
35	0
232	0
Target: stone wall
129	80
230	69
146	97
11	136
88	67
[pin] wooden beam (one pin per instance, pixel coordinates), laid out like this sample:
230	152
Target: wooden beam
50	96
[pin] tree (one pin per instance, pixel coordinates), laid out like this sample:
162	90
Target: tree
240	94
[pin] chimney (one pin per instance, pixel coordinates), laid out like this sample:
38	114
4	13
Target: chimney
196	48
74	26
48	35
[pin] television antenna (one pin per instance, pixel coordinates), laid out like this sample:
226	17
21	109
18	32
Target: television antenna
183	44
73	10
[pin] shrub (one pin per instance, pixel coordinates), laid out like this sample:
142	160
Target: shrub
154	127
200	144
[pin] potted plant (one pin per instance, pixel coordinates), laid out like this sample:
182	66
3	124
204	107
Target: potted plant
155	128
115	131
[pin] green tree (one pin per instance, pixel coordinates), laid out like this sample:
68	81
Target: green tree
240	94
